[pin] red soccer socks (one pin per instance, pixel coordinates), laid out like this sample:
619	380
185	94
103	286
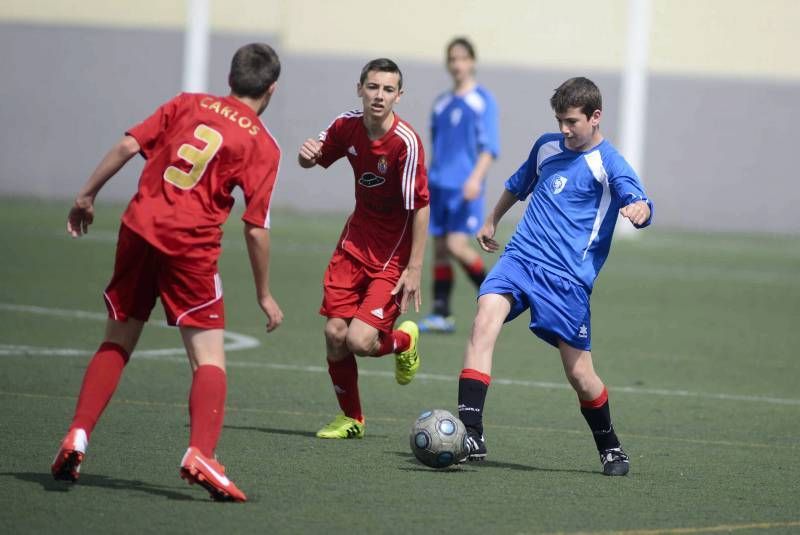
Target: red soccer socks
99	383
476	271
394	342
207	408
344	375
442	287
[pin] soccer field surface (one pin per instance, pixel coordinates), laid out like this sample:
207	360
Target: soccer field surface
697	337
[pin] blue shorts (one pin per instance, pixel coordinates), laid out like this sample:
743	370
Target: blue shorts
559	307
451	213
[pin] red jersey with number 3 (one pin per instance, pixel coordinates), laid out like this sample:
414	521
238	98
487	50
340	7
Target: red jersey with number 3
198	148
391	182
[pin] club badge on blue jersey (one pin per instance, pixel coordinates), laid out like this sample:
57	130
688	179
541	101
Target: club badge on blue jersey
558	184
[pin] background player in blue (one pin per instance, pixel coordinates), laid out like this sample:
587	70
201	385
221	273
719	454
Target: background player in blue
465	143
577	182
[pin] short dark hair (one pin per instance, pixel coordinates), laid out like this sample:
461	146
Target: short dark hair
254	68
381	65
577	92
461	41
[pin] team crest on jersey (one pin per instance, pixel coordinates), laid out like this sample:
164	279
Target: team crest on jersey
383	165
455	116
371	180
558	184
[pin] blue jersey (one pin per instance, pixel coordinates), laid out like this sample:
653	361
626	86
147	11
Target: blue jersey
576	196
462	127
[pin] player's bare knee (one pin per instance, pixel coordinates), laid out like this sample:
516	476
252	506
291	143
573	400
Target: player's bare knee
486	321
440	249
362	344
456	250
336	334
124	333
583	380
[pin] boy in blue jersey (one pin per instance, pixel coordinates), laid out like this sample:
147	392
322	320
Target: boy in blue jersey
465	143
577	182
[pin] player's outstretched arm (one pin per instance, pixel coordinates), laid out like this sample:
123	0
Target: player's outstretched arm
310	150
257	240
486	233
410	279
81	214
474	183
637	213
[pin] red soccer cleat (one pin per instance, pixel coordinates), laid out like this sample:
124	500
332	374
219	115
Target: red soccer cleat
67	464
197	468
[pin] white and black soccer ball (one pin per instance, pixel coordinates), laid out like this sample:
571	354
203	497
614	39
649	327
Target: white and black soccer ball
438	439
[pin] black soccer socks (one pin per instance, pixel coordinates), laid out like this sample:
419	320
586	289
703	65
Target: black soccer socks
472	388
598	415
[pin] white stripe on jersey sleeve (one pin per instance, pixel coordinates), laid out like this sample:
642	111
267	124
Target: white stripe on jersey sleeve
345	115
409	176
595	162
551	148
475	101
441	103
404	175
267	221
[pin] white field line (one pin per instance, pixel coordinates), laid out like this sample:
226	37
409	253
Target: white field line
233	341
236	342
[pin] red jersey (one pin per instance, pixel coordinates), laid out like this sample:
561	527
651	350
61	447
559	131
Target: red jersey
198	148
390	183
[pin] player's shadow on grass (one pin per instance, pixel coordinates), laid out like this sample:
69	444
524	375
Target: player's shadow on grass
89	480
271	430
494	464
276	431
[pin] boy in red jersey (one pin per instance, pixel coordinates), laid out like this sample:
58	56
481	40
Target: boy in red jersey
375	270
198	148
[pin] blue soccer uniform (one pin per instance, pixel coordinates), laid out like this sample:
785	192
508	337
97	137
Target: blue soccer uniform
462	127
564	237
578	184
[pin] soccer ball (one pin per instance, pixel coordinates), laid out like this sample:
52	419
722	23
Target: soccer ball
438	439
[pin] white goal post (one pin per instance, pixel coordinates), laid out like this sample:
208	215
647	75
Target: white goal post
196	40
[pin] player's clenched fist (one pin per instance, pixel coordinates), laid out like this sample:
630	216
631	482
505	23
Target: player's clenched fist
310	150
638	213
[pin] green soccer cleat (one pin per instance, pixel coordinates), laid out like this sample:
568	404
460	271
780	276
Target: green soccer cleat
406	363
342	427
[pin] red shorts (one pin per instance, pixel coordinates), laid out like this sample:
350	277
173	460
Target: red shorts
353	290
190	290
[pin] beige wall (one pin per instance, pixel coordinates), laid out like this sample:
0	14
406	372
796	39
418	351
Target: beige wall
709	37
245	16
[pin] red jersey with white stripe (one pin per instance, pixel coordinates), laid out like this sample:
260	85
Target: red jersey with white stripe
198	148
390	184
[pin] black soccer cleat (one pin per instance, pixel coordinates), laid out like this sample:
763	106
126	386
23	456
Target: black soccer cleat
476	446
615	462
